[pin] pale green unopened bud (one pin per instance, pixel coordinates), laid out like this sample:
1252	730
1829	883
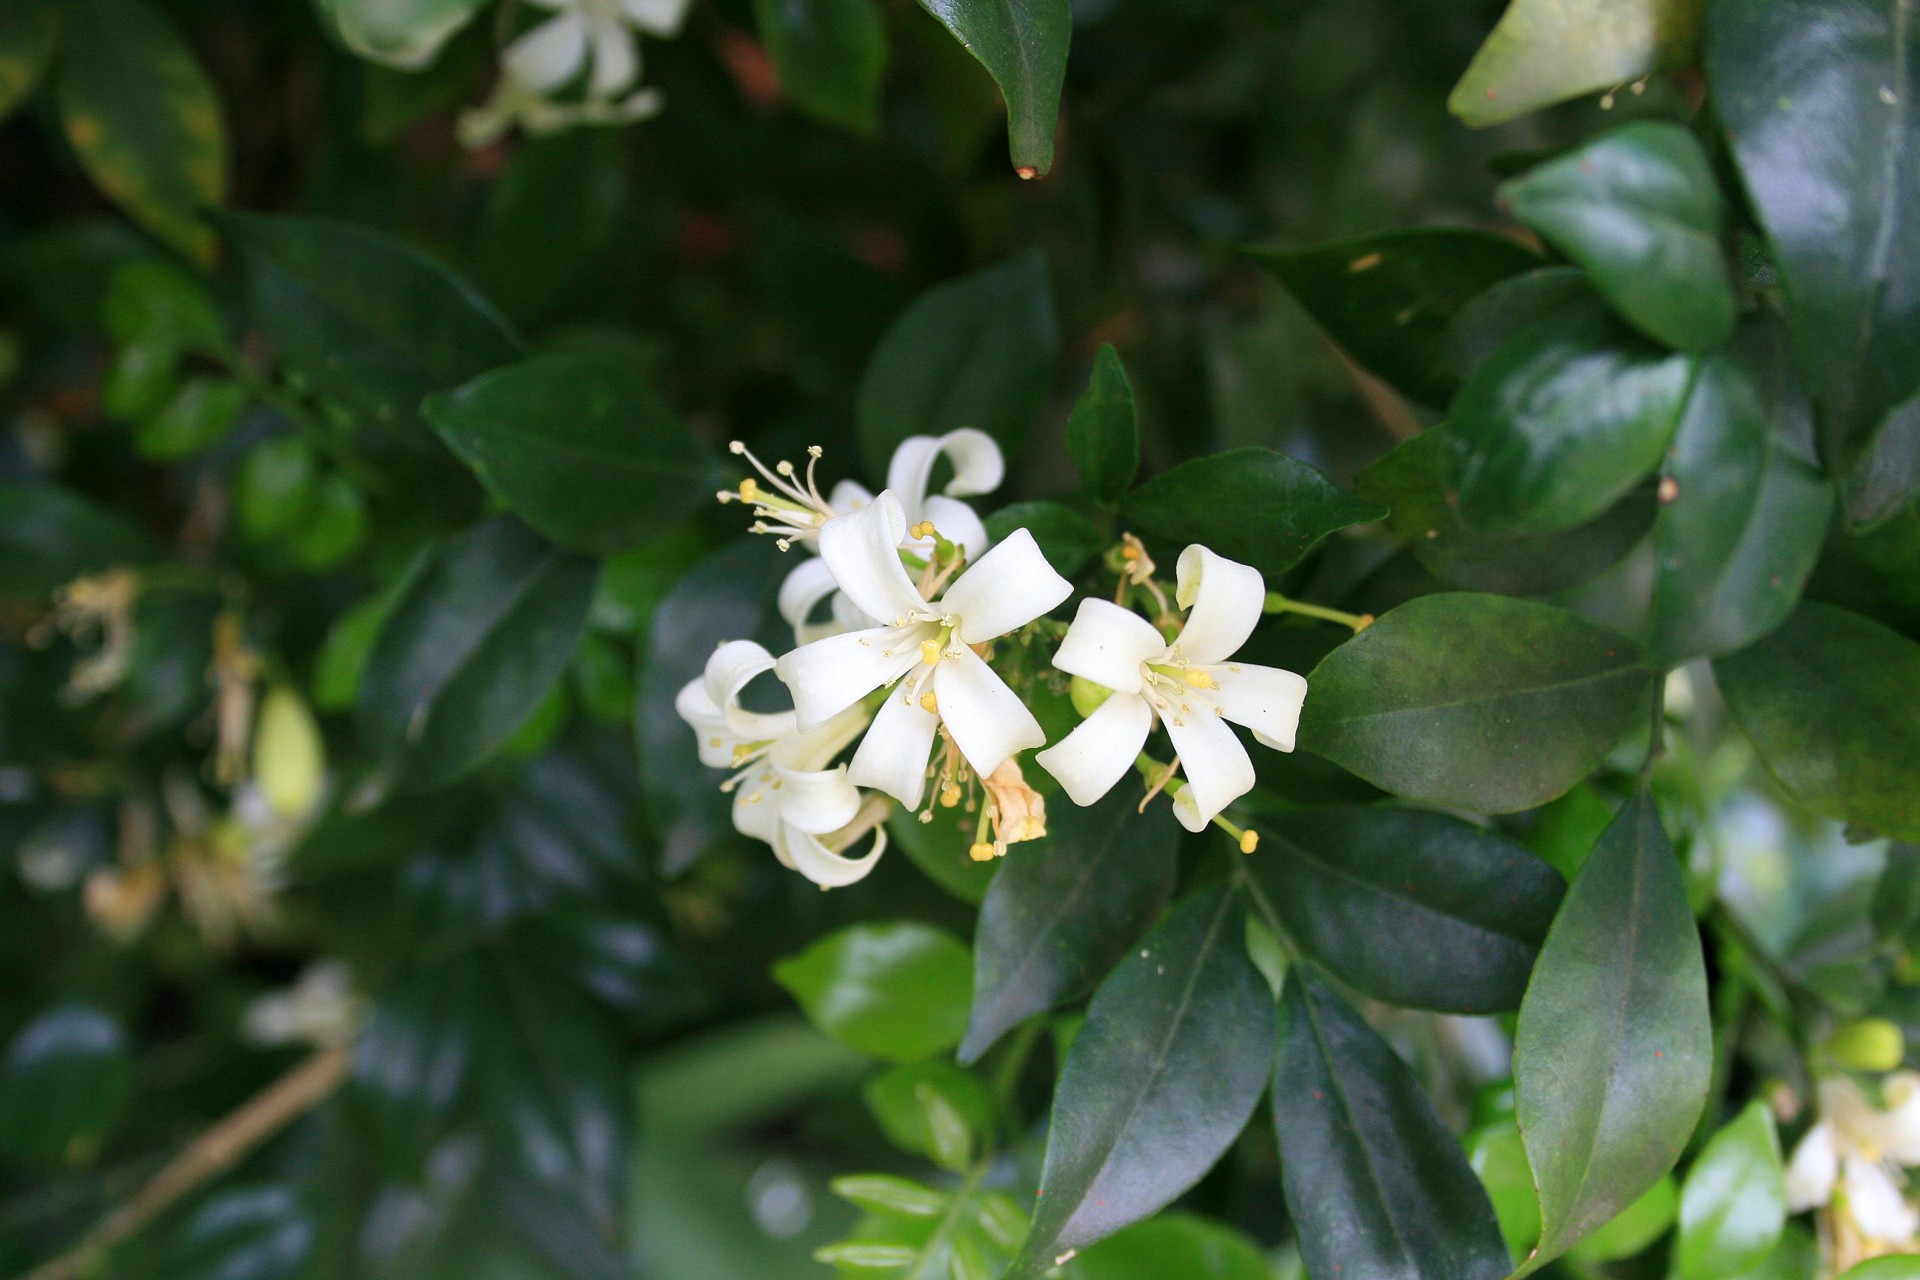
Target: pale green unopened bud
1087	696
1871	1044
289	758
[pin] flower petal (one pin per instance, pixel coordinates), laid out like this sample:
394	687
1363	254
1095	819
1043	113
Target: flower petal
1107	645
657	17
1216	766
849	496
1005	589
1901	1138
829	870
1226	599
957	523
893	756
550	54
986	719
1100	750
801	592
863	550
729	670
1814	1169
616	58
978	467
715	739
830	675
1265	699
754	812
817	801
1875	1203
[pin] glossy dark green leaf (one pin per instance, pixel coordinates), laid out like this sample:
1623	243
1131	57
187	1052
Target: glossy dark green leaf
974	352
1546	51
1562	421
896	991
1827	701
1172	1244
1745	518
1023	46
65	1079
50	535
28	29
579	447
1886	483
553	207
1471	700
1411	482
1387	299
144	118
247	1233
1817	100
1410	907
1614	1050
1734	1203
829	55
482	631
1376	1184
416	1059
1253	505
1159	1082
1058	915
1630	1232
367	319
1640	209
1103	432
1546	295
1896	898
1067	538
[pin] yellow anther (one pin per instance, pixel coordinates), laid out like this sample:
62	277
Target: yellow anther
1130	551
1249	840
927	702
749	490
930	653
922	530
949	794
1199	679
981	852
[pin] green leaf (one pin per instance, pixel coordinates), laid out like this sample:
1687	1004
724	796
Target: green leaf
1827	701
1023	46
1614	1050
364	318
416	1059
398	33
1411	482
50	536
974	352
1253	505
1103	432
1066	538
247	1233
154	300
1413	908
1640	209
1546	51
1475	701
915	1102
1387	299
896	991
481	632
143	118
1058	915
1546	295
1886	483
1175	1244
1559	423
884	1193
1734	1203
65	1079
579	447
1499	1158
1896	898
28	31
197	417
1818	105
830	55
554	206
1632	1229
1375	1183
1746	519
1159	1082
1891	1267
939	849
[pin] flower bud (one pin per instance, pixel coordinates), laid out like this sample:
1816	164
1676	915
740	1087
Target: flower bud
1870	1044
1087	696
289	758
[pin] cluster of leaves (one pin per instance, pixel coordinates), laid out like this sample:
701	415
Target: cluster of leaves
1633	511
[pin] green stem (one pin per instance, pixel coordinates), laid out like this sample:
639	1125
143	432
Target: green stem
1277	603
932	1252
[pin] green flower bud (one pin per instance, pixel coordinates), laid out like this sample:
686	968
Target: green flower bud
1871	1044
1087	696
289	758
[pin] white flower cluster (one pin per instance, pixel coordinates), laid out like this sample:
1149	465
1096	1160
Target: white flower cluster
898	673
1851	1164
599	37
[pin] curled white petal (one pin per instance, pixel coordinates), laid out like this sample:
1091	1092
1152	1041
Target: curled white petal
978	466
893	756
817	801
986	719
1813	1170
714	736
550	54
830	870
729	670
1107	645
830	675
1266	700
801	592
1216	766
1226	599
1101	748
756	808
1875	1204
616	57
862	548
1007	588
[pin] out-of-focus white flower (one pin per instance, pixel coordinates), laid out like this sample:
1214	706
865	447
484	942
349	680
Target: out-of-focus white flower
320	1009
1851	1162
600	37
1191	685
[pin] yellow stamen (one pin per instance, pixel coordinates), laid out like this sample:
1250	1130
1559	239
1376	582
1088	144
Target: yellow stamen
1249	840
949	794
922	530
749	490
927	702
930	653
981	851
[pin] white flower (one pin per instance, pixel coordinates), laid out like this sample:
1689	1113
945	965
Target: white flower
926	647
787	792
320	1008
1859	1149
978	467
1189	684
594	35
